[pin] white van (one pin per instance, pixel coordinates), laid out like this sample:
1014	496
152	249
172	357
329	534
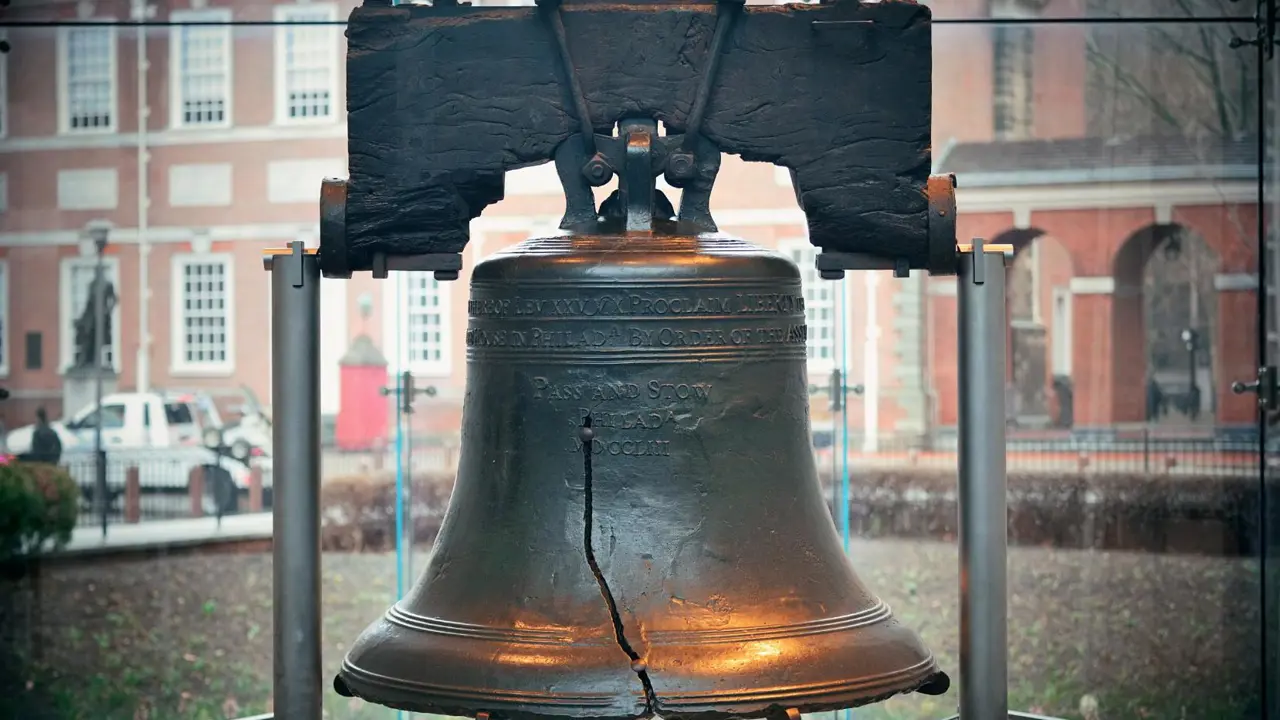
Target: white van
130	420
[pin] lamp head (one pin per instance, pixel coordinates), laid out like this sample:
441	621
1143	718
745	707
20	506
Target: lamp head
97	231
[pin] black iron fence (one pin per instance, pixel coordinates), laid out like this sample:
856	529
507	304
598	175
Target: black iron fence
167	485
175	484
1129	452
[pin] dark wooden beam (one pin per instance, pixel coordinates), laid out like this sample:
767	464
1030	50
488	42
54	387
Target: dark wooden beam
443	100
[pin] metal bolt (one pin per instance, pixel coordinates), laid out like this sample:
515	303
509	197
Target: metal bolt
597	170
680	167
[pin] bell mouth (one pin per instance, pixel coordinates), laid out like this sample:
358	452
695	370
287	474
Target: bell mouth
428	665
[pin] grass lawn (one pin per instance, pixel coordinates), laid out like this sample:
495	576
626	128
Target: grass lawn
190	637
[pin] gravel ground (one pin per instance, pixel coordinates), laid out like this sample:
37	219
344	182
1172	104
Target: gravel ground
190	637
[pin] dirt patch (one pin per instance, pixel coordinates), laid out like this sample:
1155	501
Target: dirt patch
190	637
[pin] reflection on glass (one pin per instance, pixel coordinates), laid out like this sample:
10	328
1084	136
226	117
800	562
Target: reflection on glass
1119	161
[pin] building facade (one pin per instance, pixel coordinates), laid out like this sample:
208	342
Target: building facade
204	144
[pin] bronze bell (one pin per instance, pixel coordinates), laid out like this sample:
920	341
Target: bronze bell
637	525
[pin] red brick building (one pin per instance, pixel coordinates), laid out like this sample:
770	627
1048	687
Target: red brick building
241	123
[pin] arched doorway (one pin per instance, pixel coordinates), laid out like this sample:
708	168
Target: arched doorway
1165	325
1040	330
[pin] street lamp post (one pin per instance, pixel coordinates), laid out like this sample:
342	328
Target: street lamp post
98	232
1191	339
837	401
405	392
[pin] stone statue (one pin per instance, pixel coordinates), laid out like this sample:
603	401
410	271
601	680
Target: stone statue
87	354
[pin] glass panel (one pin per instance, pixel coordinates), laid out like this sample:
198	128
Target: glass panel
1119	161
1129	196
978	11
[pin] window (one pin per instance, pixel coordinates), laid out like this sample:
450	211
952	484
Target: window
202	314
819	306
306	64
76	307
35	351
417	318
178	414
112	418
87	78
201	67
4	318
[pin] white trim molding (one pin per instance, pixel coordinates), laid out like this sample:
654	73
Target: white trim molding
299	180
1093	285
88	189
200	185
161	235
179	365
1022	217
67	314
113	54
1229	282
167	138
177	88
1103	196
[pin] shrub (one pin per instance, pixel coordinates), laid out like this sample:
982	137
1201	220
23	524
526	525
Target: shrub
38	503
358	513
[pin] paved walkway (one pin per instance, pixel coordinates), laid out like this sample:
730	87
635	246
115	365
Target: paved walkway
157	534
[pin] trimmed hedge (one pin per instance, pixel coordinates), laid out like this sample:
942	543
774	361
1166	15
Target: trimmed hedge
1201	514
38	507
358	512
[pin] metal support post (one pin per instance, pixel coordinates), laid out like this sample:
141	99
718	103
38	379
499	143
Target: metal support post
983	519
295	398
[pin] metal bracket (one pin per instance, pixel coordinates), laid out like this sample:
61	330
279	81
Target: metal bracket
1264	19
445	265
831	265
407	392
291	261
1267	386
979	261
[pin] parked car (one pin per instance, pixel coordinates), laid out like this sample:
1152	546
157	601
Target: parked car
250	434
129	420
168	471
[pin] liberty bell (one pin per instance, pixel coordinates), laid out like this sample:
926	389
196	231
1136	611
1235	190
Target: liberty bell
637	526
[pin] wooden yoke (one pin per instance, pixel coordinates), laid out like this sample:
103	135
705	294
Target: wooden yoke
443	100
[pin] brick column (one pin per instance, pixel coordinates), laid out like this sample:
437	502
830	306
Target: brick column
1236	353
1091	354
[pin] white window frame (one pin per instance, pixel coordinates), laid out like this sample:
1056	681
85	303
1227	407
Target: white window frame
4	87
67	314
6	349
396	326
64	98
809	280
176	84
178	363
284	14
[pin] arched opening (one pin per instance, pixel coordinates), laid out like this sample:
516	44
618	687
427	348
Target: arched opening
1038	285
1165	327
